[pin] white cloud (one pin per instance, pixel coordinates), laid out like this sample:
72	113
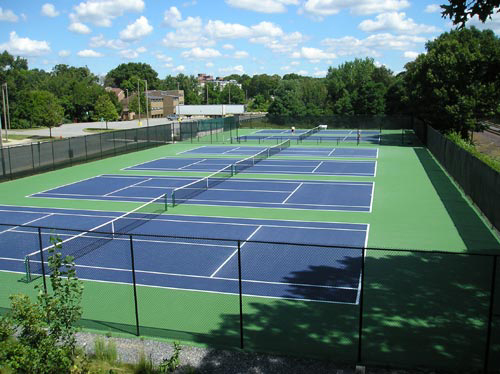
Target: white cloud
8	15
228	46
209	64
493	23
129	54
302	72
79	28
372	45
240	54
102	12
136	30
267	29
320	73
396	22
89	53
262	6
201	53
412	55
64	53
221	30
141	49
188	33
169	65
313	54
25	47
160	56
238	69
172	16
49	10
322	8
99	42
24	16
432	8
179	68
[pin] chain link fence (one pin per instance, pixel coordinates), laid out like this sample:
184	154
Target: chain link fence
368	306
18	161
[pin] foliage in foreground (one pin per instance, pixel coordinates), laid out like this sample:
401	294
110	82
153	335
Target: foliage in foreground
39	337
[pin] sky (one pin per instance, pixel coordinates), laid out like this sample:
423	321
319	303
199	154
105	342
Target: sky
221	37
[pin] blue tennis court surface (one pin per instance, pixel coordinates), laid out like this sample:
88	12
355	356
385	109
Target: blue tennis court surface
267	166
256	193
366	136
268	269
295	151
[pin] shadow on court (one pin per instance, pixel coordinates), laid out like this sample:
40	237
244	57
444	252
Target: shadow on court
419	309
473	231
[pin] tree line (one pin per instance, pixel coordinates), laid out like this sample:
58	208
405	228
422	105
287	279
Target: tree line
454	85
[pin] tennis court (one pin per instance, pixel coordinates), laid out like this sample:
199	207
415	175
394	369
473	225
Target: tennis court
191	264
295	151
339	135
267	166
257	193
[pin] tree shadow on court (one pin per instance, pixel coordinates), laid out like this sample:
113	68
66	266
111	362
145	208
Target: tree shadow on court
473	231
420	309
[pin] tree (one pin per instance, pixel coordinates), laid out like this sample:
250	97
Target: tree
124	72
39	337
105	110
457	82
233	92
358	87
287	101
133	105
460	11
45	109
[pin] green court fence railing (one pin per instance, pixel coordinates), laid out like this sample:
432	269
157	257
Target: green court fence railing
18	161
217	130
407	308
477	179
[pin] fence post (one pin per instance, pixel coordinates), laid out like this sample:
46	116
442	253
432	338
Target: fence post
490	313
41	259
100	142
241	295
53	156
32	158
135	285
10	162
361	293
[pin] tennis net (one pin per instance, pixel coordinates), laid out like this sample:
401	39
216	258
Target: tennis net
309	133
241	165
88	241
193	189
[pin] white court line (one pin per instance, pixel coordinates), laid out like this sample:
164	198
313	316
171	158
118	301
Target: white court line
373	194
67	184
194	163
190	150
235	251
131	185
295	190
230	150
333	150
26	223
316	168
202	222
375	169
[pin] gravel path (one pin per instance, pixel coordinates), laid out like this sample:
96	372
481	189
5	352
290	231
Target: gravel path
204	360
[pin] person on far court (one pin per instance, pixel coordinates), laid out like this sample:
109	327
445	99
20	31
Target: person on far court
293	130
359	135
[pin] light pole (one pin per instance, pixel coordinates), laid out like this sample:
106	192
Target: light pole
147	104
229	93
139	101
5	109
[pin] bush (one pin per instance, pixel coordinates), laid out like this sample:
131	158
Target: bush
45	340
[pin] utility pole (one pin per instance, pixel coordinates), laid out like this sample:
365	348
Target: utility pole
147	104
139	101
229	93
206	85
5	123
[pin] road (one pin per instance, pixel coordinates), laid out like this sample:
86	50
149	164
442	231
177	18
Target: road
77	129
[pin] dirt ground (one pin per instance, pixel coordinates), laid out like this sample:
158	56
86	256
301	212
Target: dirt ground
488	143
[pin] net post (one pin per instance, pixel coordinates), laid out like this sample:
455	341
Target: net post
241	295
361	294
138	333
27	269
41	259
173	198
166	201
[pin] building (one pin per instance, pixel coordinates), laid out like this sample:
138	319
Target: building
162	103
118	92
219	81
